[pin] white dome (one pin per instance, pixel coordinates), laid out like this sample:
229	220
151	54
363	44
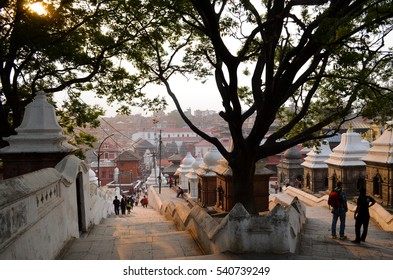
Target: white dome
92	174
198	161
93	177
188	160
212	156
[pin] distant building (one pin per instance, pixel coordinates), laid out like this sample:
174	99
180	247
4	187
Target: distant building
128	163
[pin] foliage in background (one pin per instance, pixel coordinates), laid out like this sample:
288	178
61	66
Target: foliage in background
68	46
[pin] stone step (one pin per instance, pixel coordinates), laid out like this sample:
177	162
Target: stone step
142	235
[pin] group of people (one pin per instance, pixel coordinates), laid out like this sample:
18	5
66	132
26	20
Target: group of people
361	214
127	203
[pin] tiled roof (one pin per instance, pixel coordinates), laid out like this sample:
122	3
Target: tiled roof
128	156
142	143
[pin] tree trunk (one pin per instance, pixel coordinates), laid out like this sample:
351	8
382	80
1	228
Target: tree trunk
243	170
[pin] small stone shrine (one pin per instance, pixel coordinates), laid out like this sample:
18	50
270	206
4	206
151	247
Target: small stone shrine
207	183
155	176
379	168
290	169
315	168
193	177
345	164
184	168
39	142
225	201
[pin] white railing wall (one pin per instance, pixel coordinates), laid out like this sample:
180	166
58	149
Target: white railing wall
39	211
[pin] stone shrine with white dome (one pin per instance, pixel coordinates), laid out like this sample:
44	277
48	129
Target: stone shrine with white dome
379	168
345	164
315	168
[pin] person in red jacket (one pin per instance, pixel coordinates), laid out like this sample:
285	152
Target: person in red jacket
144	201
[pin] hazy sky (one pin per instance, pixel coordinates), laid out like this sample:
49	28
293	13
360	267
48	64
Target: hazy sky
191	94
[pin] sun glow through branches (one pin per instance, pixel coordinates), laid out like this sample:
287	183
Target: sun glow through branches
38	8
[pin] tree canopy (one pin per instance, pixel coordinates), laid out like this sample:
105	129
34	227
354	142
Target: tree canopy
71	46
312	64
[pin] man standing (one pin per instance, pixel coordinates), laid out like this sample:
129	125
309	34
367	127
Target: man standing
338	201
123	204
362	215
116	204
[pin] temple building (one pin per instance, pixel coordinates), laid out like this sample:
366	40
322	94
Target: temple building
379	168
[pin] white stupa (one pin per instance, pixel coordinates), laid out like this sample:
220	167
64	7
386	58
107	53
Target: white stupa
93	177
317	156
153	179
184	168
350	151
382	148
192	176
39	131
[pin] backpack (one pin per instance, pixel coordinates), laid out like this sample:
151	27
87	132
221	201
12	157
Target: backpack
334	199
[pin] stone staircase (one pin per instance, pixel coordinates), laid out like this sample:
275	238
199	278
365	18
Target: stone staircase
142	235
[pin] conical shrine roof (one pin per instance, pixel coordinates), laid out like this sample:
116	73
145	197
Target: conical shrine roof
382	148
349	152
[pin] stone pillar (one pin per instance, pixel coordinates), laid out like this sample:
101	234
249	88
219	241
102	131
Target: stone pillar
315	169
39	142
345	163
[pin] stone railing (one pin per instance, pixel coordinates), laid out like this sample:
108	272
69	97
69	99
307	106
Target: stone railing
276	231
41	211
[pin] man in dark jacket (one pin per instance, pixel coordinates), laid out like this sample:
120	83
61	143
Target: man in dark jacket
362	215
123	204
116	204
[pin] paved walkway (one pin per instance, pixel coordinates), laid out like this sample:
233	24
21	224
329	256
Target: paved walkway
145	234
142	235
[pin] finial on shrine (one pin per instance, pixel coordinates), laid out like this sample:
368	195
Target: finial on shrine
350	127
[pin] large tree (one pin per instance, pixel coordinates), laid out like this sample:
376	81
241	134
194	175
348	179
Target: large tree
69	46
329	60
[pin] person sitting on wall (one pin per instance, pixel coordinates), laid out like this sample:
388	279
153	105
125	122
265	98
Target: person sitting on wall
180	192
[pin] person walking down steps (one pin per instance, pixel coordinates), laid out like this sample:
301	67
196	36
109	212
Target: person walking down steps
116	204
144	201
338	201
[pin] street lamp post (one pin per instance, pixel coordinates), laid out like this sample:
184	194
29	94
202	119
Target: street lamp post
99	156
159	169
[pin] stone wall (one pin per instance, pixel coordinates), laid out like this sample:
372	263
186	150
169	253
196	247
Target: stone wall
277	231
41	211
